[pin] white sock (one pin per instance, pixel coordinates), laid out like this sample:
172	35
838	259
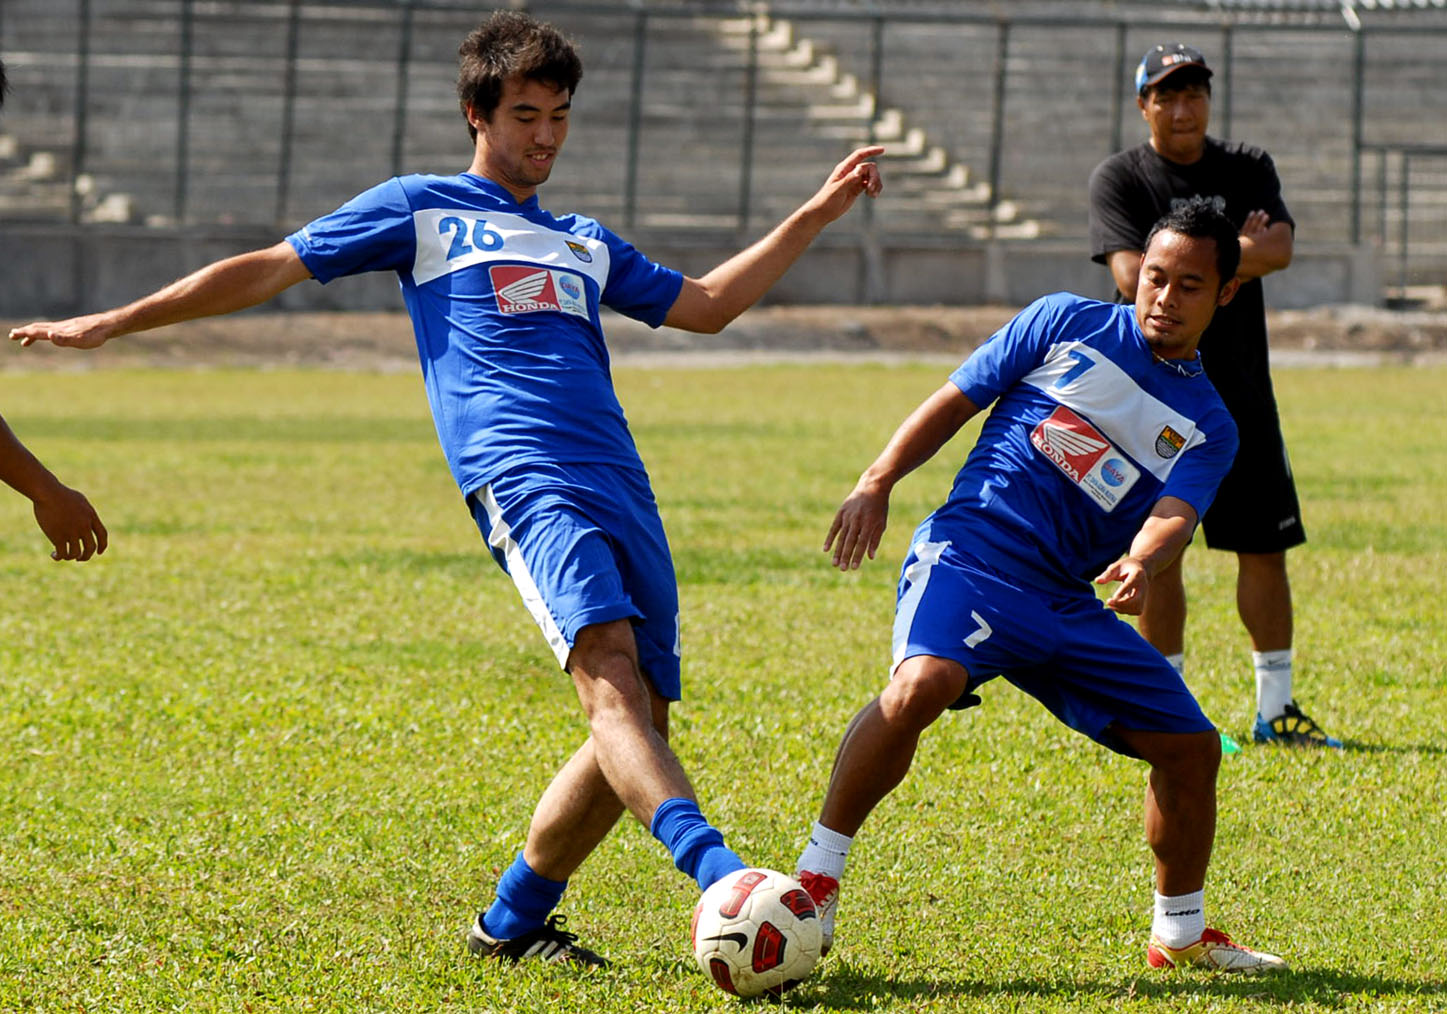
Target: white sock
1178	662
1273	682
1179	921
826	852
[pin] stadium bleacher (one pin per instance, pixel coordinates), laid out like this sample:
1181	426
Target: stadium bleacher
270	112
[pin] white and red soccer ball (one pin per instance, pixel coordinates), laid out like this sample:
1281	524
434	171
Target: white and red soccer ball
756	932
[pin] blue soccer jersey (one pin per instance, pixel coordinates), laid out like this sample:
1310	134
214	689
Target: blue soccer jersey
504	301
1088	432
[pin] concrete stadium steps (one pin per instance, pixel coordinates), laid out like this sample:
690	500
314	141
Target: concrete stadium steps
32	186
799	71
1290	92
807	108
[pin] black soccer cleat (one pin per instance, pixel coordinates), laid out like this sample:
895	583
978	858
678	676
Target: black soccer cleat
1293	728
549	943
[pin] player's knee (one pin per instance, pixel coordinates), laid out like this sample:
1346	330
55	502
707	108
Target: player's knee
610	685
922	688
1181	757
1190	759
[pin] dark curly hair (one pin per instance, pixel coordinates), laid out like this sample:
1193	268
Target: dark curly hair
1202	218
512	44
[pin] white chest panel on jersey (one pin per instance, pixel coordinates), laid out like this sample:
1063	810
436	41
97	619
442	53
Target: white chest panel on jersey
1087	382
1102	413
450	239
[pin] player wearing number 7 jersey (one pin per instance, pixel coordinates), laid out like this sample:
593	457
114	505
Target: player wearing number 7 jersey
504	299
1105	437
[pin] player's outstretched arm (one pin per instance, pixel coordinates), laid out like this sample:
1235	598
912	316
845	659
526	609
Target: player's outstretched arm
1160	540
63	514
860	521
708	304
222	287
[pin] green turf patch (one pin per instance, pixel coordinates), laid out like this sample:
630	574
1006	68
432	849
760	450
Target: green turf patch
271	751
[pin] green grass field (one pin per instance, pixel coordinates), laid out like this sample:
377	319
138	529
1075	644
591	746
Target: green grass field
270	752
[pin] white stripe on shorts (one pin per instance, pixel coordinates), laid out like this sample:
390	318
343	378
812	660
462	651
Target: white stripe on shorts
499	537
927	555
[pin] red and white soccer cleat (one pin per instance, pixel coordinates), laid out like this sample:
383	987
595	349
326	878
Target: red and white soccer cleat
824	890
1214	950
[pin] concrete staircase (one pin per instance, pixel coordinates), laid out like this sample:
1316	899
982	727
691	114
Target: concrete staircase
803	80
813	102
36	186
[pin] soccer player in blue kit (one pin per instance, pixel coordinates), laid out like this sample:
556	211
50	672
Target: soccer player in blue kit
504	299
1105	436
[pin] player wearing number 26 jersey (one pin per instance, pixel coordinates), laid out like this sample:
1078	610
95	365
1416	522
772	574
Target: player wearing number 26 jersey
504	301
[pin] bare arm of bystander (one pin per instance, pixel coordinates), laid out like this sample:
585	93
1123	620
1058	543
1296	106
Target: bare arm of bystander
63	514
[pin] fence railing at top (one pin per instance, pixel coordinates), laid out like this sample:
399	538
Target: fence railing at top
1394	192
998	130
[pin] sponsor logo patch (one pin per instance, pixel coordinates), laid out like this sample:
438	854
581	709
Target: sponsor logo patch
580	251
1113	471
1169	442
1086	456
527	289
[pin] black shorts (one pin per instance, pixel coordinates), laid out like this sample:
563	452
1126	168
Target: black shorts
1256	509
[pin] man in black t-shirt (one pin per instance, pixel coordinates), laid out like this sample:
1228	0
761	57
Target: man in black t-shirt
1256	513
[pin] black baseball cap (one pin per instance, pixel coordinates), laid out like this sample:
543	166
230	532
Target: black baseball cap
1162	61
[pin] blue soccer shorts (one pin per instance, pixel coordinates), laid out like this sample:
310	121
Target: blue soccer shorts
1091	669
584	544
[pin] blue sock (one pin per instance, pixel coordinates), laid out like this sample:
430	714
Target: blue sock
696	845
523	901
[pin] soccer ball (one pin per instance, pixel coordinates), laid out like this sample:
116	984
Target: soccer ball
756	931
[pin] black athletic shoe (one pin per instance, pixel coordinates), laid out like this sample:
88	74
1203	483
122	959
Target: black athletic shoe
549	943
1293	728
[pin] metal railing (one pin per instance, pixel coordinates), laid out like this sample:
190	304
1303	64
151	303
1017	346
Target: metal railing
1410	207
1002	125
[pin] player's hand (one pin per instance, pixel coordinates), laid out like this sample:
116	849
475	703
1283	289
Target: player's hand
71	524
1255	225
850	178
858	526
1130	597
88	332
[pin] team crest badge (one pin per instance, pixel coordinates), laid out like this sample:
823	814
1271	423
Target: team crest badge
1169	442
580	251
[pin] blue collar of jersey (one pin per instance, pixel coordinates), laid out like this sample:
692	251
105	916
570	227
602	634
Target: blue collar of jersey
502	193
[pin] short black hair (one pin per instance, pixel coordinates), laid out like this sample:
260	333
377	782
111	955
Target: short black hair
512	44
1203	218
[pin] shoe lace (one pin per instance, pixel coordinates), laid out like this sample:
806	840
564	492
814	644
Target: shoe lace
1294	722
554	943
550	932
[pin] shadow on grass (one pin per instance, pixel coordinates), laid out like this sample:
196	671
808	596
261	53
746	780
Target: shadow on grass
1429	749
847	989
